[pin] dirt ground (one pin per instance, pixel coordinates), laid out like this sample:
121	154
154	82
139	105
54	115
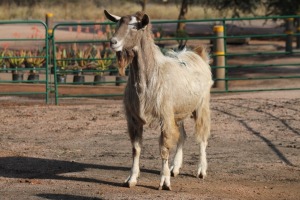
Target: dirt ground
80	150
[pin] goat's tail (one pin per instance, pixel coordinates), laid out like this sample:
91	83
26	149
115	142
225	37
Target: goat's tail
203	53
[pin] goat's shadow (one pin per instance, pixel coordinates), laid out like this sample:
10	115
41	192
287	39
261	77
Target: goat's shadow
66	197
38	168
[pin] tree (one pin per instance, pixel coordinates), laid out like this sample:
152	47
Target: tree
143	4
279	7
182	14
273	7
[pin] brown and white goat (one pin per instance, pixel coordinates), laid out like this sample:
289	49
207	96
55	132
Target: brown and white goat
162	90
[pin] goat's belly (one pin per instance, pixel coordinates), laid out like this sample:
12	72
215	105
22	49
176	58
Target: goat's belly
184	109
181	116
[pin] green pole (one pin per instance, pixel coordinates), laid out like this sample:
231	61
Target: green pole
298	32
289	38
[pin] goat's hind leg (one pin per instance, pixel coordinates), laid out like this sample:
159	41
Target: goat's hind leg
202	132
135	133
178	158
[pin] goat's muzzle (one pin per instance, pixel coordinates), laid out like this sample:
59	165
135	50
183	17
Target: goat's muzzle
115	44
113	41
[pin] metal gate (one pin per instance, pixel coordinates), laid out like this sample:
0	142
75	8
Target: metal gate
249	55
262	60
83	64
24	58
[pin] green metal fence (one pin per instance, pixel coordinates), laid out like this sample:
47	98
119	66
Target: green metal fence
288	69
262	60
24	58
238	72
84	61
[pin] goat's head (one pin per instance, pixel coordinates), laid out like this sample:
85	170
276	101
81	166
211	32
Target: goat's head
129	30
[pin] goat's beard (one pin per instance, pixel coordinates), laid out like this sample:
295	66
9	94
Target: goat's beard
124	58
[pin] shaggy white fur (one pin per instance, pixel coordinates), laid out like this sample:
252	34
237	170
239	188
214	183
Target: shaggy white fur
162	90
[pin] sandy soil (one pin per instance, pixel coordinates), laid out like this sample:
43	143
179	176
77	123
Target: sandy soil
80	150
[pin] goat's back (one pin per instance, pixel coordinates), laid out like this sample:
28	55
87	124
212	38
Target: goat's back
183	80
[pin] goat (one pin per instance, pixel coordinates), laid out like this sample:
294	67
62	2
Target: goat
162	90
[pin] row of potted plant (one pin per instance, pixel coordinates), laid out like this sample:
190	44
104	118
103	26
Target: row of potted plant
87	59
17	60
78	61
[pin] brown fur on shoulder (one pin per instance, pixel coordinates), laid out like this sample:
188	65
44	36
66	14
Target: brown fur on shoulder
203	53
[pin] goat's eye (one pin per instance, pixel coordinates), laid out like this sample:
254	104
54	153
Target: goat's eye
133	26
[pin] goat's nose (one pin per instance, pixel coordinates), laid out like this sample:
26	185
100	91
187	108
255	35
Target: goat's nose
113	41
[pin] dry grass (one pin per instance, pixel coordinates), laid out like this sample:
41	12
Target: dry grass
86	10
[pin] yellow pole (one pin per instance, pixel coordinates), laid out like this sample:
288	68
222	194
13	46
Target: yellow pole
49	22
219	59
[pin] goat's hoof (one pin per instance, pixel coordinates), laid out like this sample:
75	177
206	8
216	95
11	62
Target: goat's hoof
130	184
164	187
201	176
174	173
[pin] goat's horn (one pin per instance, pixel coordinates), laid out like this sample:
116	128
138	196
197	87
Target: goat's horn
111	17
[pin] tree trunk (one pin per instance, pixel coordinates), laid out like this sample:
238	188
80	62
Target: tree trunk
143	4
183	12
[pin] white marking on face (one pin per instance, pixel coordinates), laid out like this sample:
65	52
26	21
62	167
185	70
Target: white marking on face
133	23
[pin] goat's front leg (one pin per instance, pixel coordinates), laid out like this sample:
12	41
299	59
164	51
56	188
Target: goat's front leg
169	136
165	174
135	133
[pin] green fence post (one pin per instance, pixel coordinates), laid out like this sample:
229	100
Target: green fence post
298	32
289	31
219	60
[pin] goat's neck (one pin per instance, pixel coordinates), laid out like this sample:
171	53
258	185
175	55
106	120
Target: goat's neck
143	65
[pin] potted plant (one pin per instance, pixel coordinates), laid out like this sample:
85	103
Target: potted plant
61	65
83	59
34	60
102	64
3	62
16	61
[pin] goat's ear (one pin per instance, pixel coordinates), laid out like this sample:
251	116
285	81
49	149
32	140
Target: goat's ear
145	20
113	18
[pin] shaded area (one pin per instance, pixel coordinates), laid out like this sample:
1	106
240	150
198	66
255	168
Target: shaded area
43	141
66	197
38	168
